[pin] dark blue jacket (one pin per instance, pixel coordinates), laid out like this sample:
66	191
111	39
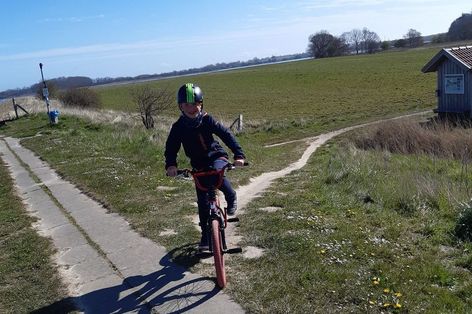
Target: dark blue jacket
199	144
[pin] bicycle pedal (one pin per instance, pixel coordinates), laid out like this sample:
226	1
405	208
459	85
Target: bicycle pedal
233	219
204	254
234	250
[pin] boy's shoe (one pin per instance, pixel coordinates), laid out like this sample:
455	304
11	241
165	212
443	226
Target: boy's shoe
204	243
231	209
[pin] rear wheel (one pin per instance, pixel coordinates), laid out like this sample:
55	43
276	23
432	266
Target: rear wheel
217	248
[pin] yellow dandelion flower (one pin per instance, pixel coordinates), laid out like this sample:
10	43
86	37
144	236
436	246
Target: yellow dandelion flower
386	304
323	251
386	290
397	306
398	294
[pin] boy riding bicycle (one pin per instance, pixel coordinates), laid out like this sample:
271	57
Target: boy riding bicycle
194	130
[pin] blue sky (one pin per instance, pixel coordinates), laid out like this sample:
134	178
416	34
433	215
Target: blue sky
104	38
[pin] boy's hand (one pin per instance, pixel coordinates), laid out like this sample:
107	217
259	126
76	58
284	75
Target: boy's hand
171	171
239	163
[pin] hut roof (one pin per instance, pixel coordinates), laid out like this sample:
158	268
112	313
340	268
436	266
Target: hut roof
462	55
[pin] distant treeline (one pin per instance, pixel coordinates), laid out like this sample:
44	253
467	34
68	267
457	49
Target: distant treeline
357	41
64	83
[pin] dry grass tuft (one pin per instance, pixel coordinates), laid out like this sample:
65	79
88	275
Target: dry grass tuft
436	138
34	105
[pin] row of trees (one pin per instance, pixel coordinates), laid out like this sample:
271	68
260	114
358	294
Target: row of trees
322	44
411	39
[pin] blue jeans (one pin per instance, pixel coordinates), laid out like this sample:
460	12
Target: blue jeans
202	197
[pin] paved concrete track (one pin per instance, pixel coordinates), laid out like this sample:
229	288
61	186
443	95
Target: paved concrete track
107	266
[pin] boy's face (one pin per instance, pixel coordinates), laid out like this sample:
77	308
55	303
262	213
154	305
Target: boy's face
191	110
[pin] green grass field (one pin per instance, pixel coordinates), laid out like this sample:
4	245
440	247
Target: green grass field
356	230
311	94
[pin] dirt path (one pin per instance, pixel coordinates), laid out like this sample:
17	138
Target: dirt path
260	184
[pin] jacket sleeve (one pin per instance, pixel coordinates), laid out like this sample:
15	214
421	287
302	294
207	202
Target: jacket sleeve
173	144
227	137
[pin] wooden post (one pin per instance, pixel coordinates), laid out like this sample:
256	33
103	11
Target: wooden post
15	108
240	123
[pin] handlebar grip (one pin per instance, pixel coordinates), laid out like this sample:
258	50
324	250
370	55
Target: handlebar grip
183	172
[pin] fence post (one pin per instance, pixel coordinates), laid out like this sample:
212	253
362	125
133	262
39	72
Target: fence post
14	107
240	123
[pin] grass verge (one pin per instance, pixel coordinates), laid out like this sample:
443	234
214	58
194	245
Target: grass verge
124	170
362	231
28	279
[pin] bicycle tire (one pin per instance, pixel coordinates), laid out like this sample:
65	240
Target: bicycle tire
218	253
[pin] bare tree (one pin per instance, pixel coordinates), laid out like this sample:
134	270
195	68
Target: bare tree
370	41
151	102
413	38
338	47
354	39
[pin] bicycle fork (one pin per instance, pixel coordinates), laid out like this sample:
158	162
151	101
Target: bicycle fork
215	213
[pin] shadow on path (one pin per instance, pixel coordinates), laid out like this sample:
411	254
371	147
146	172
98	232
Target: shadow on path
166	290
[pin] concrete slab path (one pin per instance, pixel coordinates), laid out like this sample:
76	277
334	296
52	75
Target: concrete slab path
108	267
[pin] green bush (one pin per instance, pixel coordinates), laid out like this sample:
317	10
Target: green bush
463	229
81	97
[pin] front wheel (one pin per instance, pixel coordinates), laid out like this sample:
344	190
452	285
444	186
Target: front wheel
217	248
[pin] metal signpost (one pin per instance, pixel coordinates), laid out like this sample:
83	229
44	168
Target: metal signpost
52	115
45	88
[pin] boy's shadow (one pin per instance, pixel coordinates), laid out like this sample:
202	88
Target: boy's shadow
165	290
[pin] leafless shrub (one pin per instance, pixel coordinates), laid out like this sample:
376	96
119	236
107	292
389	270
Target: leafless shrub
80	97
151	102
53	90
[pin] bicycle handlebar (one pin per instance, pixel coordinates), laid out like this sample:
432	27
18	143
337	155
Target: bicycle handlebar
196	174
188	172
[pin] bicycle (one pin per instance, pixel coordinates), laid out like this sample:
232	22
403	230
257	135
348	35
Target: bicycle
209	180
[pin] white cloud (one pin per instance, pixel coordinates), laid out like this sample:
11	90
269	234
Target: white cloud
293	31
312	5
72	19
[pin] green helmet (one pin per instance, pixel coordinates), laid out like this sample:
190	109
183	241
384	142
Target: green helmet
189	93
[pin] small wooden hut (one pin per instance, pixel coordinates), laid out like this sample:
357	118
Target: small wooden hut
454	82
